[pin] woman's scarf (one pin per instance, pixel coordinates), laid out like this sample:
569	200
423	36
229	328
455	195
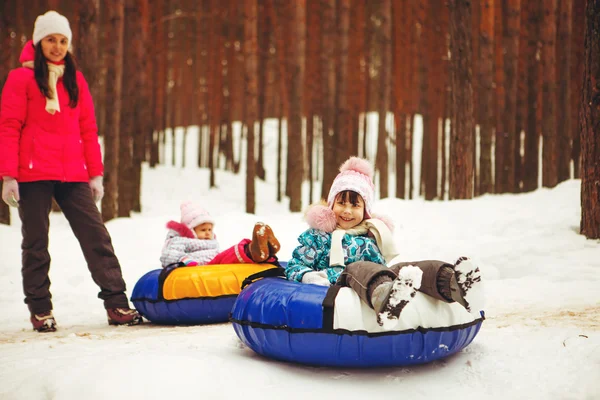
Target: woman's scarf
55	72
378	229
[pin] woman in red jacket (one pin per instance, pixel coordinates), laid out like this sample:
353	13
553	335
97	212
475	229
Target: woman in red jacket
49	149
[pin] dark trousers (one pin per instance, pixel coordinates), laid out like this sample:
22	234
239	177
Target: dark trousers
76	201
359	275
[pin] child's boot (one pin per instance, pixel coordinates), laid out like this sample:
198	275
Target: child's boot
390	298
468	277
43	322
272	241
259	246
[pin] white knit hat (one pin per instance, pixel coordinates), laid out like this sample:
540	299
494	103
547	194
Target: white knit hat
193	215
356	174
49	23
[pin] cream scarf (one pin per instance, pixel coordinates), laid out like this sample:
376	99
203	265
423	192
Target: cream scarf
54	73
377	227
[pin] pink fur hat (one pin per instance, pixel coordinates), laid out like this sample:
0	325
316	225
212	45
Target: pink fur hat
193	215
356	174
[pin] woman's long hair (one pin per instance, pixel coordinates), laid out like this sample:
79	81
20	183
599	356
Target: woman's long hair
40	68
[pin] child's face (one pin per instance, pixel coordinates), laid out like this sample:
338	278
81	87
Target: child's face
204	231
348	213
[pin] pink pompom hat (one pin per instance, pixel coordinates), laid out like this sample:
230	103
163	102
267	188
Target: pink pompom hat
356	174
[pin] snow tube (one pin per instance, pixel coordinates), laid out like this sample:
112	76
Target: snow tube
316	325
191	295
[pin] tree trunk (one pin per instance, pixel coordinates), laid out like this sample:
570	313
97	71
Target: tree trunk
263	52
312	84
550	143
114	52
511	73
590	125
461	145
330	162
532	129
563	69
486	95
129	127
294	134
384	95
251	97
576	78
499	80
401	70
343	119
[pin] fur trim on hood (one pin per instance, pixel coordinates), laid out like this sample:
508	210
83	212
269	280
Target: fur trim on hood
321	217
182	229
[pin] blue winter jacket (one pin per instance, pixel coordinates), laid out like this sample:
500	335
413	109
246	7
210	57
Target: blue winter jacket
313	254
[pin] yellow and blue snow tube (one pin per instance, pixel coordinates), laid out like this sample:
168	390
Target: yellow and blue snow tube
191	295
331	326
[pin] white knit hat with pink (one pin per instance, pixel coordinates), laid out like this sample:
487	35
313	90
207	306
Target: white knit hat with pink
193	215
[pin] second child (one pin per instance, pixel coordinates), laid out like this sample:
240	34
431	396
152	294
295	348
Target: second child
193	242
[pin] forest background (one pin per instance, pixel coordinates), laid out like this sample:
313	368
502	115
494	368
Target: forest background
504	90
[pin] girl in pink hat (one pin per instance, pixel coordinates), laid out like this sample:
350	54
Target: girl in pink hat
348	245
193	242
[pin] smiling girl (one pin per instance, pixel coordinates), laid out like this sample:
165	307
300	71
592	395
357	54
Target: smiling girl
348	246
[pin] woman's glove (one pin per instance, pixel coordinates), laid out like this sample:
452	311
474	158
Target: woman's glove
97	188
316	278
10	191
188	262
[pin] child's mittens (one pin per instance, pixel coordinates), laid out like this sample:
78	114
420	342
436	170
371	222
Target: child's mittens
316	278
188	262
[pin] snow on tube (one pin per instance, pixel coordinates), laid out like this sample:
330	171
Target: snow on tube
191	295
316	325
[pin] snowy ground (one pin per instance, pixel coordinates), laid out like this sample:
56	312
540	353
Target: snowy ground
541	339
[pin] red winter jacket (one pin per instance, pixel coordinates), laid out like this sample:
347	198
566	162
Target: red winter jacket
36	145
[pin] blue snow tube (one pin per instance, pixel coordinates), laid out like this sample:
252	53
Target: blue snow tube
293	322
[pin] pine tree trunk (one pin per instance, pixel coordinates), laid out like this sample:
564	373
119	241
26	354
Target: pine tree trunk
549	120
129	126
532	128
563	69
294	135
312	84
114	52
511	73
385	38
500	97
400	53
486	95
576	78
251	96
461	145
263	51
343	119
143	116
590	124
330	161
522	92
87	42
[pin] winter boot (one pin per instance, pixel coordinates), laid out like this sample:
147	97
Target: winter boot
468	278
263	243
43	322
390	298
274	245
123	316
447	286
